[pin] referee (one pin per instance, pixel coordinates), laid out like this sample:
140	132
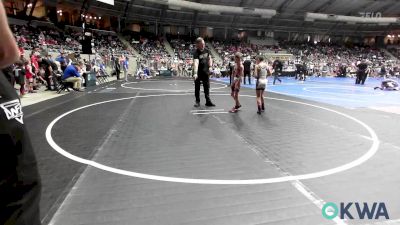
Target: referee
202	63
19	177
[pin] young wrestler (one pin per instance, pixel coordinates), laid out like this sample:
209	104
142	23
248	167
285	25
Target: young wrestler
237	75
261	71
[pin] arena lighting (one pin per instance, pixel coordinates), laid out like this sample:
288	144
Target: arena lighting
177	8
111	2
30	5
350	19
211	8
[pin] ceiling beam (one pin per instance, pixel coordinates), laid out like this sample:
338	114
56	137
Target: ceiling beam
304	8
386	7
284	5
324	6
235	18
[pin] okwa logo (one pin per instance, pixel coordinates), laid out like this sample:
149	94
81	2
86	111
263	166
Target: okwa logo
13	110
364	211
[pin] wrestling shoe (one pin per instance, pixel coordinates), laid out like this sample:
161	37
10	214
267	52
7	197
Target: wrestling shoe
210	104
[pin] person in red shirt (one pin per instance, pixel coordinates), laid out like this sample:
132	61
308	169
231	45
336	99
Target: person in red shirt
29	76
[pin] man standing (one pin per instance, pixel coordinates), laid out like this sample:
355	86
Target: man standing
117	67
202	63
278	66
362	72
19	177
247	70
45	64
231	66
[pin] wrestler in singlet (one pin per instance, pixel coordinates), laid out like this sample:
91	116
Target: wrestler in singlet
236	77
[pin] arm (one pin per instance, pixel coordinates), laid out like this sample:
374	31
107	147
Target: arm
256	71
241	74
269	71
195	67
9	52
76	73
29	67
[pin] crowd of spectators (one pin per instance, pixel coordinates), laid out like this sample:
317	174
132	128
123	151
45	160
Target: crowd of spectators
319	59
47	53
395	52
30	37
328	59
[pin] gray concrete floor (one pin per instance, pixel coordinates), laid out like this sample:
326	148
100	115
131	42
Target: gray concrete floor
160	135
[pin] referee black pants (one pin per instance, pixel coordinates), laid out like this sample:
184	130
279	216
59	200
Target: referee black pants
247	74
206	85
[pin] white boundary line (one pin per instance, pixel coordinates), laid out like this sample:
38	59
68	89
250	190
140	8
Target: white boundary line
326	98
208	113
168	90
370	153
207	110
373	94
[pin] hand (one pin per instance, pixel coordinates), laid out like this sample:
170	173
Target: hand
194	77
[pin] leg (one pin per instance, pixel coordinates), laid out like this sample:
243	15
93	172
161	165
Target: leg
197	90
77	82
262	100
365	75
55	81
358	77
206	86
48	82
258	94
237	103
249	79
22	89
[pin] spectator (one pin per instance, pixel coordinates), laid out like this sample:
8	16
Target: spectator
117	67
46	68
29	76
72	75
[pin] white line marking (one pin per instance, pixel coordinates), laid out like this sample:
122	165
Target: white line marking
369	154
219	120
310	195
207	110
168	90
371	93
207	113
108	136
